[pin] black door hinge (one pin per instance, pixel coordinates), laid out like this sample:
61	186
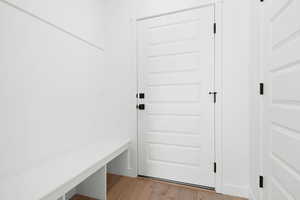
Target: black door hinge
215	167
261	181
215	28
261	89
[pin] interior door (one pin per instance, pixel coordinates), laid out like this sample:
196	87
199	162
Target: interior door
282	100
176	74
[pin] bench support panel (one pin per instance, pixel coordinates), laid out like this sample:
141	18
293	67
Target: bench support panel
94	186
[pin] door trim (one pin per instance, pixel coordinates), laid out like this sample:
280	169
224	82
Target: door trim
219	105
218	7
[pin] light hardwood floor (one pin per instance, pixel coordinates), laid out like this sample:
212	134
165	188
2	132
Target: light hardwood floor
125	188
80	197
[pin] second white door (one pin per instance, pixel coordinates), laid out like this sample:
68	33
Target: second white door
281	135
176	74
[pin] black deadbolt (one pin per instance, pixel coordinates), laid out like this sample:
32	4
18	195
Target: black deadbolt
141	107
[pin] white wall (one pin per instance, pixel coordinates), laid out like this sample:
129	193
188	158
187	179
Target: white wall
236	46
236	79
63	90
120	43
54	85
81	18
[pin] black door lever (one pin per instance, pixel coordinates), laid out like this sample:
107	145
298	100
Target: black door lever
215	96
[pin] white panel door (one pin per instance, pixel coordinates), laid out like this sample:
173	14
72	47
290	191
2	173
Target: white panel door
176	73
282	100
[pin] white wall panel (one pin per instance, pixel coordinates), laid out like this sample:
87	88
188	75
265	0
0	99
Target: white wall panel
119	51
55	92
84	19
236	123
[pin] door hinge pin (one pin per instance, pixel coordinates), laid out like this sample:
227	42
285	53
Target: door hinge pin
215	28
261	88
261	181
215	167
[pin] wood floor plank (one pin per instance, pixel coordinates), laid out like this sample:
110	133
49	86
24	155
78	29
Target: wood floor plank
80	197
113	179
126	188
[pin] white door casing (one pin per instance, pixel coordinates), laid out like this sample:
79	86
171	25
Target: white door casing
176	73
282	100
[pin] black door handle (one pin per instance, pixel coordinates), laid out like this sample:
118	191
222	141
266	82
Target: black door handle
215	96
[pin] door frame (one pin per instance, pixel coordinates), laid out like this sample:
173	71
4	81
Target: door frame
265	50
218	127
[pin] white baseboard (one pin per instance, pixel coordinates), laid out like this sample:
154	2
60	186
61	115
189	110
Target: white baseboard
121	166
71	193
122	172
238	191
251	194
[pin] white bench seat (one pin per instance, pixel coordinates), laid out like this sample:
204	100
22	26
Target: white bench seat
53	178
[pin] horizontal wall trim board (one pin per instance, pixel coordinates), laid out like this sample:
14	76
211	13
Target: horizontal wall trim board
53	25
234	190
